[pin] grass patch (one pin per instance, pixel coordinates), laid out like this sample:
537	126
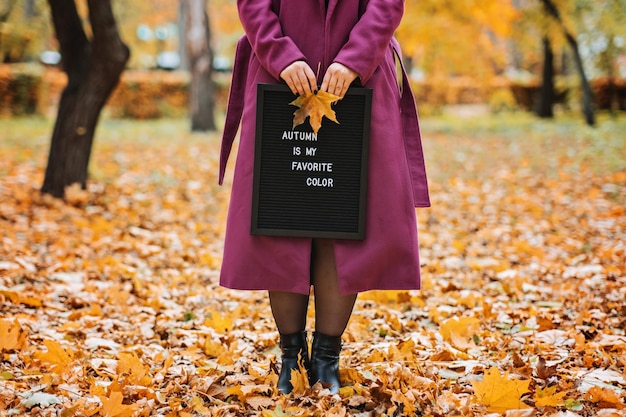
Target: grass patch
454	146
486	145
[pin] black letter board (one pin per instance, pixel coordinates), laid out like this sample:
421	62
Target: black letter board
310	185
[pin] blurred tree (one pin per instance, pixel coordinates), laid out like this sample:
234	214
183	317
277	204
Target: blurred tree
200	62
21	29
602	23
548	93
553	11
93	69
6	9
445	38
149	28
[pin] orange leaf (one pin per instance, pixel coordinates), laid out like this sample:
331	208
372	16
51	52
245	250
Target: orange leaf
459	331
56	356
130	365
12	337
298	380
17	298
236	391
604	397
499	393
549	397
315	107
113	407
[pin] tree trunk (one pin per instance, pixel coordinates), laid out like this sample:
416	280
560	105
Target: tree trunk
588	110
93	70
182	35
546	100
611	88
200	55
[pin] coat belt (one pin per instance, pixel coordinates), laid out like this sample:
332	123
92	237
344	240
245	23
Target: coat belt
236	100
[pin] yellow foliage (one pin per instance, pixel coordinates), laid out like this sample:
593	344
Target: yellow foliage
134	370
56	356
12	336
112	406
469	50
500	393
460	331
219	322
548	397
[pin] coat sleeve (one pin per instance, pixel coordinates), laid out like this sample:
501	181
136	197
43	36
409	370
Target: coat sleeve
274	50
369	39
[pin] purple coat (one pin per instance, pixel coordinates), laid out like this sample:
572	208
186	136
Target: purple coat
358	34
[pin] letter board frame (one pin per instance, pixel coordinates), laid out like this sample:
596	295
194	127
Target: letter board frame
322	191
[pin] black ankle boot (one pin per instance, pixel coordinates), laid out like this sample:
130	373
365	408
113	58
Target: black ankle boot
294	348
325	360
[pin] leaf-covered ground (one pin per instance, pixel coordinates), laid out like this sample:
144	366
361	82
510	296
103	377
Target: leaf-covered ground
109	303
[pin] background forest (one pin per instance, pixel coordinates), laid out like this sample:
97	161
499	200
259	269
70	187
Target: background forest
492	52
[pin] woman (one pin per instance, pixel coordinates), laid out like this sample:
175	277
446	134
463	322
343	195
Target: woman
351	42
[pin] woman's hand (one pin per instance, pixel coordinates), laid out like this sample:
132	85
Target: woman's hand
337	79
300	78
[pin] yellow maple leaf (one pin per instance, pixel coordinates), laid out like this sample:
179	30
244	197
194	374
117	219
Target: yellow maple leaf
130	365
58	358
299	381
460	331
499	393
113	407
213	348
12	337
220	323
548	397
314	106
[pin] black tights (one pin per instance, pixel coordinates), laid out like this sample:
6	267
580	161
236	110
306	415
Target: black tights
332	310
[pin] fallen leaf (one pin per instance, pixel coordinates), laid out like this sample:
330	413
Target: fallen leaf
219	322
548	397
500	393
12	337
197	405
460	331
55	355
314	106
112	406
40	399
299	379
131	366
544	372
604	397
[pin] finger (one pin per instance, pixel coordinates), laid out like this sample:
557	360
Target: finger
292	85
324	86
303	83
311	78
340	90
332	85
326	81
